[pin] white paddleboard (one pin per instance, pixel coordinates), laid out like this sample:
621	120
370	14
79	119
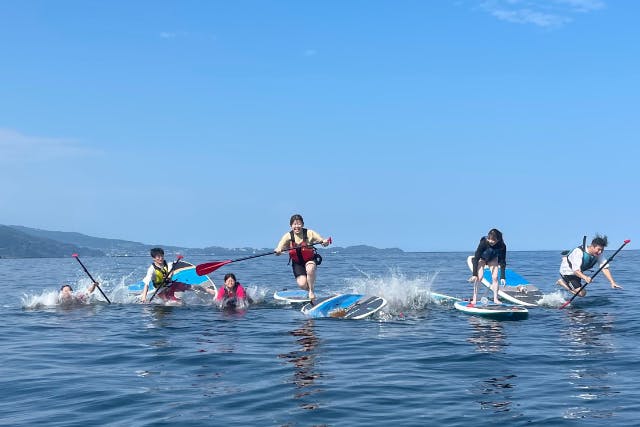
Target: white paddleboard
292	296
493	311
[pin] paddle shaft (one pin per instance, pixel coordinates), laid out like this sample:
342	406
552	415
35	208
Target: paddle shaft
594	274
91	277
209	267
178	258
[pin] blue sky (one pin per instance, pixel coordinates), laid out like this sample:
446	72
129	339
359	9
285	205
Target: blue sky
409	124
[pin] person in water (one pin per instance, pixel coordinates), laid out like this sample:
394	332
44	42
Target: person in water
579	260
159	273
491	251
67	296
303	257
232	293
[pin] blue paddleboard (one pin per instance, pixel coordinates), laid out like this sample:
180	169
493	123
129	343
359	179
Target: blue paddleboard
183	272
493	311
517	290
347	306
292	296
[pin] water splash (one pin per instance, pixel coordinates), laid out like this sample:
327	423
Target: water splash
553	300
402	293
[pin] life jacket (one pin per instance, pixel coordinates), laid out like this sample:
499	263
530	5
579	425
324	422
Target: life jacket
588	260
160	275
237	292
301	253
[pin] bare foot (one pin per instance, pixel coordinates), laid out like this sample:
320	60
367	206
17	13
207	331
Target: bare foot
312	296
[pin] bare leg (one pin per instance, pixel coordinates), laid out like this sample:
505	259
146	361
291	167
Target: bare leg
479	275
494	282
311	278
302	282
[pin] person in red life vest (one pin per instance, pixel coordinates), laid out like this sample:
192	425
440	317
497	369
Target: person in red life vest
232	293
303	257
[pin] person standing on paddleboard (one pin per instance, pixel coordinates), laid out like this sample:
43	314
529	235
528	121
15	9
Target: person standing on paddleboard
579	260
491	251
303	257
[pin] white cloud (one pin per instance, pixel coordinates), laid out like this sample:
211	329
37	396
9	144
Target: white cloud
16	147
542	13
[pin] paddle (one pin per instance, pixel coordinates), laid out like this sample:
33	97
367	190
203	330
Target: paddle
90	277
178	258
594	274
209	267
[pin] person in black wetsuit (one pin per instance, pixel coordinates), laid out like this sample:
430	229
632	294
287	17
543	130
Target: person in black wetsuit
491	251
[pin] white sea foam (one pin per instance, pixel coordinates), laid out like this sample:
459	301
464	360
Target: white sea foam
401	292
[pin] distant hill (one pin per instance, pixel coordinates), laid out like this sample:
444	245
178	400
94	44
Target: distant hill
362	249
17	241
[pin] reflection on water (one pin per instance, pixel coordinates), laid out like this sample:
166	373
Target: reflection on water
588	339
303	360
488	336
497	393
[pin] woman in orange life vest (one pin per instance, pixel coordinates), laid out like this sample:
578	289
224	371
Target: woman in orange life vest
303	259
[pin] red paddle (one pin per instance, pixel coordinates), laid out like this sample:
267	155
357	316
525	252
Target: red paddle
209	267
594	274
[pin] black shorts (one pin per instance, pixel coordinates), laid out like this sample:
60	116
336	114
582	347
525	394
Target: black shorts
299	269
573	281
489	255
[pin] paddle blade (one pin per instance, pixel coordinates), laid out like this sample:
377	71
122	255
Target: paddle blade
208	267
627	241
74	255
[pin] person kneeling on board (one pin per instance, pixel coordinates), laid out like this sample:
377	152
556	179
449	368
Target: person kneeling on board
579	260
491	251
160	273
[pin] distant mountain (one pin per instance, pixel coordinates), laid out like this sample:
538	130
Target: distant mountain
362	249
17	241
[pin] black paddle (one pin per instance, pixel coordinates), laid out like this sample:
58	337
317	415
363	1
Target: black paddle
178	258
90	277
208	267
594	274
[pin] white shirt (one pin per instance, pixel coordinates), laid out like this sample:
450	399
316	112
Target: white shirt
151	271
576	261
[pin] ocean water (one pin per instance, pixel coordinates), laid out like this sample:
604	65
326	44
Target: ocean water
417	363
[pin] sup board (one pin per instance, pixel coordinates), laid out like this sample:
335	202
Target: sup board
183	272
347	306
493	311
292	296
517	289
442	298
